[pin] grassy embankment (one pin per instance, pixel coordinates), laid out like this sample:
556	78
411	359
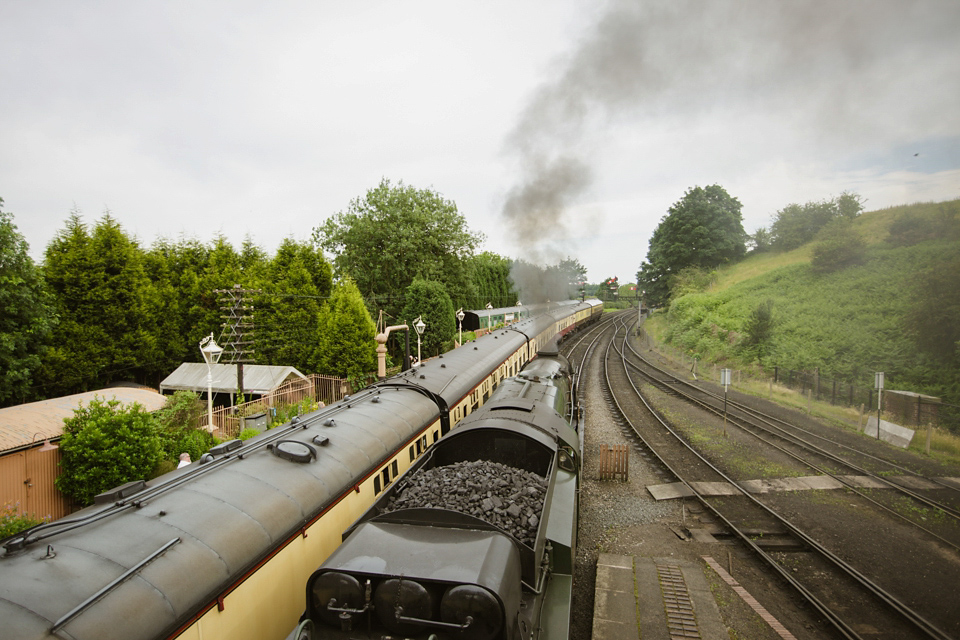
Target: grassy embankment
849	323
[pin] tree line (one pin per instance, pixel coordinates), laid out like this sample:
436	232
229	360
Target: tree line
101	308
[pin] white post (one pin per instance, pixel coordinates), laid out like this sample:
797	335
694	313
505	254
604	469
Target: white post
419	326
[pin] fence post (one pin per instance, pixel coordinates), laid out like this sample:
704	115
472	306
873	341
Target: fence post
833	396
776	372
860	419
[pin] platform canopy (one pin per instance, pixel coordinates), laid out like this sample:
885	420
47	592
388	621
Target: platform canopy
258	379
26	424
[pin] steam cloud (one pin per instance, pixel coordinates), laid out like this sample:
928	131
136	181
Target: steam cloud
838	72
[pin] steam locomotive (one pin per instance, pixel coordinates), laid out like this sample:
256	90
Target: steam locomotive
221	548
477	540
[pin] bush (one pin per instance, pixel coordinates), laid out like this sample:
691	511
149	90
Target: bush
248	433
178	428
13	522
839	248
106	445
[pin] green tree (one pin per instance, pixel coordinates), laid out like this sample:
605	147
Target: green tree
430	301
297	285
760	240
609	289
758	331
704	229
489	274
105	445
795	224
397	233
346	345
26	314
107	308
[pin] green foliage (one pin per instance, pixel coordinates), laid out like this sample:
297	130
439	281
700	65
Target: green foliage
609	289
248	433
430	301
933	320
345	345
104	446
917	224
691	280
895	312
395	234
26	314
13	522
796	224
758	330
704	229
298	281
489	274
839	246
760	240
177	425
107	307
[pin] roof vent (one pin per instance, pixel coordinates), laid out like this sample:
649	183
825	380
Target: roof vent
321	440
225	447
118	493
376	400
293	451
329	422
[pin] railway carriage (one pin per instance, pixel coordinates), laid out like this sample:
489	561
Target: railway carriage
221	548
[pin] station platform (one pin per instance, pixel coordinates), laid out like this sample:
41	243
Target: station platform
661	599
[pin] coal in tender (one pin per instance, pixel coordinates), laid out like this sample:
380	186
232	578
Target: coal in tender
504	496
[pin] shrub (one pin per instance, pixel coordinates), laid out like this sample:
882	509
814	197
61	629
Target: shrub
178	428
13	522
105	445
248	433
839	248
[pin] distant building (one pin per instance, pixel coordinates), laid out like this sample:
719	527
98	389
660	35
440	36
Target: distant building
29	456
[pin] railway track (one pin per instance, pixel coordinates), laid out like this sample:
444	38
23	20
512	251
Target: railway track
853	603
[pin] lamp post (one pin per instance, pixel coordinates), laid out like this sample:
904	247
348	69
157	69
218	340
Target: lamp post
211	355
460	316
419	326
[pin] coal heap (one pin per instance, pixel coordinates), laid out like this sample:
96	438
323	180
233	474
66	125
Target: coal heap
507	497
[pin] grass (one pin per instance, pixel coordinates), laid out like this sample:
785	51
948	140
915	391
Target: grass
944	446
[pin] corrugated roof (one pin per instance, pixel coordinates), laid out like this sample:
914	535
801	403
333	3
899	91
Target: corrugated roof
258	379
33	422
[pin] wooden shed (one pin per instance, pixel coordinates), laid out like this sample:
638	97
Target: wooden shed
29	456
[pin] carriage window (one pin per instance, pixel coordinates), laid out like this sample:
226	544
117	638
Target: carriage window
395	469
376	485
412	455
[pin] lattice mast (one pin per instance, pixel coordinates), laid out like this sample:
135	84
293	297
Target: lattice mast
237	336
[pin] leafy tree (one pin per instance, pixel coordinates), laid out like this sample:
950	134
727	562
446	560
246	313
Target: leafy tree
430	301
490	275
760	240
691	280
105	445
840	246
704	229
397	233
795	224
609	288
346	345
107	308
758	331
916	226
298	282
26	314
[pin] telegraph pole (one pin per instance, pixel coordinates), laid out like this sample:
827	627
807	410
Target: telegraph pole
238	327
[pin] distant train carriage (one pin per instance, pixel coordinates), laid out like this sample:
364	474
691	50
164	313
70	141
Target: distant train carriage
492	318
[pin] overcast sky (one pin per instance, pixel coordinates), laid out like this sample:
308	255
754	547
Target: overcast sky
560	127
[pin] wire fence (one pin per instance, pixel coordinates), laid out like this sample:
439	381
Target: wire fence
903	407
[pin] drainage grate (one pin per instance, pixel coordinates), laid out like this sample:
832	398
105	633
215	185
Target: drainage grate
614	462
681	621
